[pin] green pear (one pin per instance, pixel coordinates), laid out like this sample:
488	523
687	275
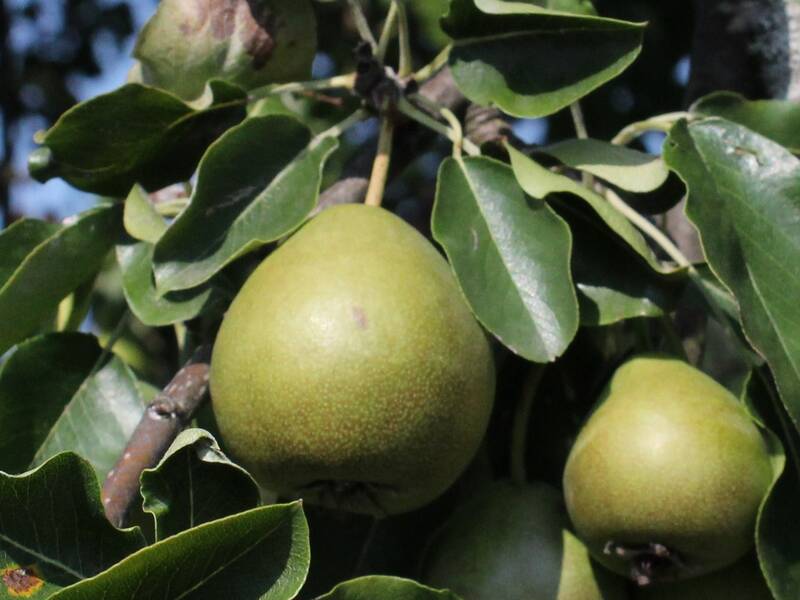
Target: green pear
349	369
665	479
741	581
512	542
249	43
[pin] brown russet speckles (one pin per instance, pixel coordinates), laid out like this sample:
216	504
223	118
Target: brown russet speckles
21	581
223	18
360	317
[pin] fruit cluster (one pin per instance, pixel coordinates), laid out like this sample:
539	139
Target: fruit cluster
349	371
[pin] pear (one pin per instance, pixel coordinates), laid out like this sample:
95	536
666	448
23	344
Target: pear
249	43
741	581
349	369
666	477
512	542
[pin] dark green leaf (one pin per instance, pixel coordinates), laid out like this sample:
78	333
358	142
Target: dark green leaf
141	220
36	383
135	134
510	255
776	537
195	483
778	120
52	524
19	240
744	198
379	587
532	62
255	184
53	269
98	420
628	169
613	281
182	46
260	554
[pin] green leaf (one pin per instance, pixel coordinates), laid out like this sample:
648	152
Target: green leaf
18	240
776	535
533	62
613	281
151	308
141	220
744	198
628	169
378	587
98	420
500	7
778	120
135	134
36	384
52	525
539	182
54	268
255	184
260	554
510	255
195	483
263	41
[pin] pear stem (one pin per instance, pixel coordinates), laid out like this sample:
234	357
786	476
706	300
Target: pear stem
519	428
380	166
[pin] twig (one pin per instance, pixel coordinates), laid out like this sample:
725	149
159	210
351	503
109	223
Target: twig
519	428
361	23
346	81
405	67
162	421
380	166
387	32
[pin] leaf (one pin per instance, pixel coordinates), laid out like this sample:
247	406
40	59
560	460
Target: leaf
53	269
613	281
776	539
255	184
778	120
260	554
499	7
53	526
531	62
539	182
374	587
136	264
510	255
98	420
195	483
141	220
135	134
744	198
18	240
250	44
36	383
628	169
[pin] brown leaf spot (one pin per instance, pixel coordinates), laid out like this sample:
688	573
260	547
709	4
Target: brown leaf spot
195	22
258	32
360	317
21	581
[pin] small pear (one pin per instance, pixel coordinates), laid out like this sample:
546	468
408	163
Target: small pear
666	477
512	542
349	369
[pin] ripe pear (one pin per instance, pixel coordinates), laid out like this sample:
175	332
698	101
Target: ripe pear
249	43
512	542
349	369
665	479
741	581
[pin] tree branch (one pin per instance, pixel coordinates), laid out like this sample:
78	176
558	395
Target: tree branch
160	424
